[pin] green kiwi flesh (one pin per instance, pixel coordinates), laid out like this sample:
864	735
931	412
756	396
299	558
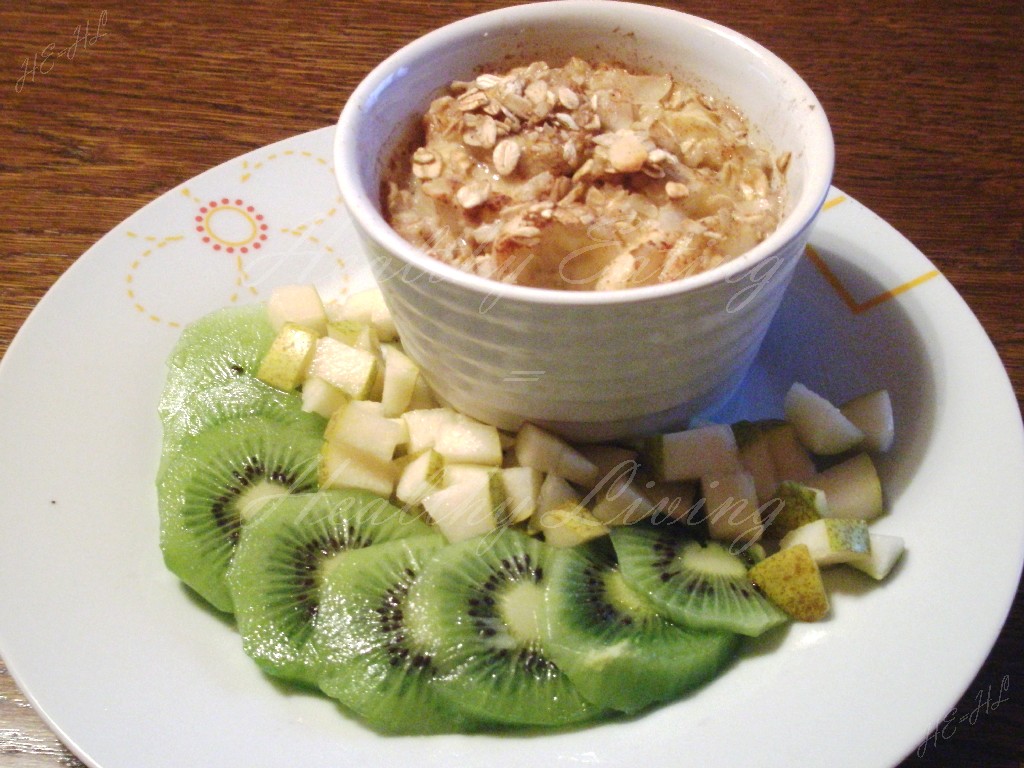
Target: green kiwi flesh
373	657
612	642
697	584
482	599
282	558
211	376
215	482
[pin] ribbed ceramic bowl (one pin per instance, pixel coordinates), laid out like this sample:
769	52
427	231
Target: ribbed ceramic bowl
589	364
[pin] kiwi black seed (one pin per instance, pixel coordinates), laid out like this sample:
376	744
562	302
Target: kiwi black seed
612	642
215	482
282	557
211	376
373	656
483	600
697	584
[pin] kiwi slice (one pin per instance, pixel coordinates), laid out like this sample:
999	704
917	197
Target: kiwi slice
211	376
613	643
374	657
216	482
283	556
483	599
697	584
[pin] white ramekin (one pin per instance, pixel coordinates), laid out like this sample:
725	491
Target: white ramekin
593	365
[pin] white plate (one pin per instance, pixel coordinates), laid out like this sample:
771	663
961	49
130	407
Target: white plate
133	673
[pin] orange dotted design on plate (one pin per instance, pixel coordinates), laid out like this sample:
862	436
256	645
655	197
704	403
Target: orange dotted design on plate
859	307
155	244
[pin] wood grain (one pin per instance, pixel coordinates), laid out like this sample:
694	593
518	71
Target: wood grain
925	101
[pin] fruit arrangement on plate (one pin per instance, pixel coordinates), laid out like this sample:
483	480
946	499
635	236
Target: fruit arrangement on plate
435	574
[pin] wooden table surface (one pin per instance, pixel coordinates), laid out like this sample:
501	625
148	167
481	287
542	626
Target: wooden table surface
925	100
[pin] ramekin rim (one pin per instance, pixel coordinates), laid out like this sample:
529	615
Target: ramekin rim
363	209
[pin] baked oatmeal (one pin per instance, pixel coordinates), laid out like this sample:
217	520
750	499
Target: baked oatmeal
585	177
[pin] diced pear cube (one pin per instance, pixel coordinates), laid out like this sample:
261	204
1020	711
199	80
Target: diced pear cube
794	505
831	541
554	492
298	304
285	364
355	334
709	450
621	503
362	424
612	461
731	508
819	424
570	524
522	489
425	425
368	306
422	395
872	415
320	397
549	453
756	458
421	477
791	579
469	441
400	374
469	508
457	473
349	369
885	553
852	488
344	466
790	459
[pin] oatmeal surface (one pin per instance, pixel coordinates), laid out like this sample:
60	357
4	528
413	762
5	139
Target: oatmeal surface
585	177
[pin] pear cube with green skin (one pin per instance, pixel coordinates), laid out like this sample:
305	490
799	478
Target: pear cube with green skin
540	449
852	488
349	369
299	305
344	466
361	424
554	492
424	425
285	364
792	581
789	457
885	552
819	424
321	398
794	505
568	525
872	415
691	454
400	374
466	440
472	507
421	477
368	306
355	334
831	541
522	489
731	508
